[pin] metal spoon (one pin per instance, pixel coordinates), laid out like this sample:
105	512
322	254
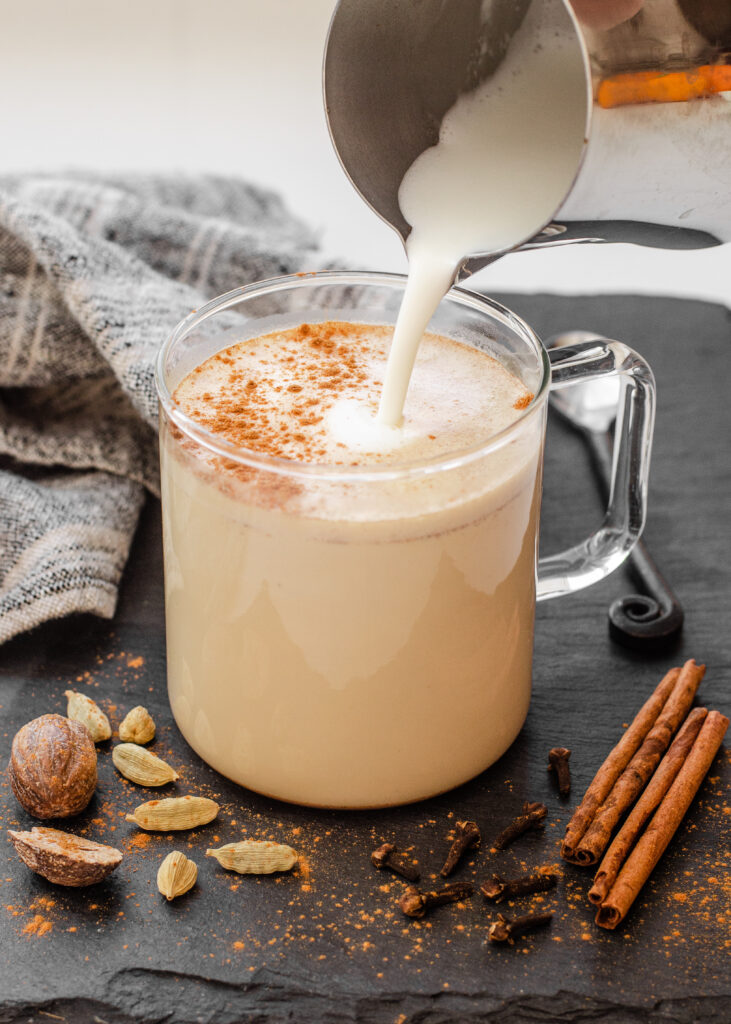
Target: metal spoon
651	619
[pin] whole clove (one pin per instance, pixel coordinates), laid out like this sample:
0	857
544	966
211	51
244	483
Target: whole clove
498	889
532	818
558	763
468	836
415	902
387	856
505	930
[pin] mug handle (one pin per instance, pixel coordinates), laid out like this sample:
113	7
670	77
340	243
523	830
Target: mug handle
607	547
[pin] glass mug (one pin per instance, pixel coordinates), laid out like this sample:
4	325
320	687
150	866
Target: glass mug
363	636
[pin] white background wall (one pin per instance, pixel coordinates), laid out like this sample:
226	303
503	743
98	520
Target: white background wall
233	86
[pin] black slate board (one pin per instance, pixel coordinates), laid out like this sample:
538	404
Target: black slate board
327	944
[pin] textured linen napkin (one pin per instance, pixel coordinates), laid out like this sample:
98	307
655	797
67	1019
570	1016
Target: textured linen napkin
94	274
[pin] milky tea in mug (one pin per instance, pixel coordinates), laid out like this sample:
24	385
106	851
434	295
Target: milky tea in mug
349	607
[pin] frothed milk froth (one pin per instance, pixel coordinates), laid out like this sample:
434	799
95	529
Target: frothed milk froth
311	394
322	633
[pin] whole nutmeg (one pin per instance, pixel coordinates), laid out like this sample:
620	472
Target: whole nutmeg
52	767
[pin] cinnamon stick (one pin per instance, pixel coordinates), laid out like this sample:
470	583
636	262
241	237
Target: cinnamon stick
635	776
656	789
652	844
615	763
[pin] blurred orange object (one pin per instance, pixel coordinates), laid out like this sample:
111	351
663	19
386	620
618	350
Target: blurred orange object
664	87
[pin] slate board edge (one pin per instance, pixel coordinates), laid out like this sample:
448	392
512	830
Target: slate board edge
151	997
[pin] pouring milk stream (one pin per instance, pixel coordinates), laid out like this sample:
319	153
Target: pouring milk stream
507	155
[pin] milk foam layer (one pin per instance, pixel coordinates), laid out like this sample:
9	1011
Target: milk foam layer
310	394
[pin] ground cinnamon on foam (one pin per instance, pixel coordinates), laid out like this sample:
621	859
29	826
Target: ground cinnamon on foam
331	366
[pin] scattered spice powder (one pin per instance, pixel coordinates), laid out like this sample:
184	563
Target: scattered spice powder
696	904
37	926
43	901
140	840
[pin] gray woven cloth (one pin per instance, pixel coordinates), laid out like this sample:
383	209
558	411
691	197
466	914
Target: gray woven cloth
94	274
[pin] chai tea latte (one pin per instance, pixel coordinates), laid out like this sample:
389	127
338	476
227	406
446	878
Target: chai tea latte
348	607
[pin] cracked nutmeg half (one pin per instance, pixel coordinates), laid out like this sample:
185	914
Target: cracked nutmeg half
63	858
52	769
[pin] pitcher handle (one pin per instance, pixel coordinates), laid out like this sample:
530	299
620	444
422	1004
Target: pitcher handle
607	547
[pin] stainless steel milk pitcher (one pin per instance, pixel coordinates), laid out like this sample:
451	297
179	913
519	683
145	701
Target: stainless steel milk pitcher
655	165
